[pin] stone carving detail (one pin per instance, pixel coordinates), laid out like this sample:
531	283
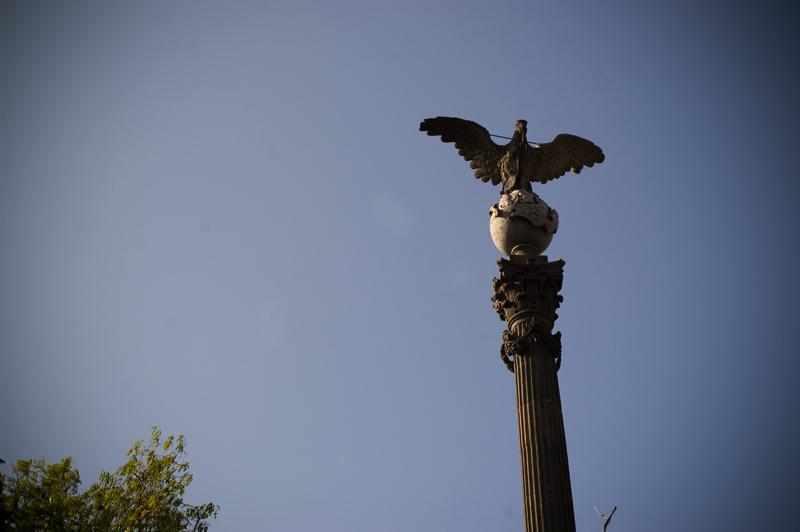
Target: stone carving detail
522	219
526	297
513	346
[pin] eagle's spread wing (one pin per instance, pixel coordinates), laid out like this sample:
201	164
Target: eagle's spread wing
472	142
565	153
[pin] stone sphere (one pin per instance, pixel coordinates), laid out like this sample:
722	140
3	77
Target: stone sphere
522	220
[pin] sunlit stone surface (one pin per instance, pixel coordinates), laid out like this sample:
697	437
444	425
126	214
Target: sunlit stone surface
522	220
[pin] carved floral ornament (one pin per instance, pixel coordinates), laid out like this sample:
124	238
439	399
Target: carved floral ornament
526	297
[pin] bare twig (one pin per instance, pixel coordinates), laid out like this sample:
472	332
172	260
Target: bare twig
606	518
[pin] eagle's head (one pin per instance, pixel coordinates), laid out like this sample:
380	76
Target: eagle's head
521	132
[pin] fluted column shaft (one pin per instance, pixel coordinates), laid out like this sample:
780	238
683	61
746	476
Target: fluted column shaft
526	297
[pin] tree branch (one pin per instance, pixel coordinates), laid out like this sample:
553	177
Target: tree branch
606	518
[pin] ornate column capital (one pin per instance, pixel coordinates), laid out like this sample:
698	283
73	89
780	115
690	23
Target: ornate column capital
526	297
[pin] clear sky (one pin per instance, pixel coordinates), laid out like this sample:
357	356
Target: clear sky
219	217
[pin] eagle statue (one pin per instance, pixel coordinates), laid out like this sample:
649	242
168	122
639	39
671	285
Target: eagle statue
518	163
521	223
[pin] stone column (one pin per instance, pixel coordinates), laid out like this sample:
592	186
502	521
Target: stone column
526	298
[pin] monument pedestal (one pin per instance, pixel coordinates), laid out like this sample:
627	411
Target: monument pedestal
526	298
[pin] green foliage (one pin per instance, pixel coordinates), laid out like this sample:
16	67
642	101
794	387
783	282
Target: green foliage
144	494
41	496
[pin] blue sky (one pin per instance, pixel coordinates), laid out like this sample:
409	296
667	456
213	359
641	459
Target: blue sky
219	217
